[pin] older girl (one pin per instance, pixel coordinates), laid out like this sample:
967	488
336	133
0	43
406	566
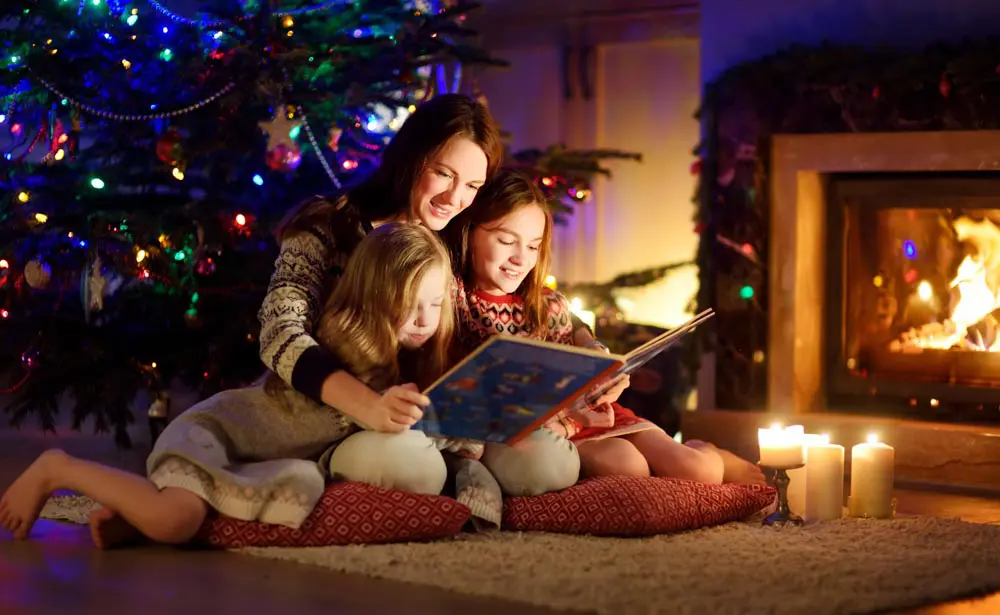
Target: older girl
250	453
501	251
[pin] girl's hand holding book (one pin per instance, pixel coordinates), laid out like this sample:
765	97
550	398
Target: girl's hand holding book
598	416
398	408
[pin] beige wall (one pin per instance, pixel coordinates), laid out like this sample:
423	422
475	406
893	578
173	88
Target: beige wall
645	96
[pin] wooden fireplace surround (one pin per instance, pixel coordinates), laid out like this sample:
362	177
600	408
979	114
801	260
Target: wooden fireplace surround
926	452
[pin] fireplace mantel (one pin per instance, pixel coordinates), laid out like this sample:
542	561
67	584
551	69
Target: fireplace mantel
800	166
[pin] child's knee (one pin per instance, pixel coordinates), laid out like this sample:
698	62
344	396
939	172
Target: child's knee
540	463
406	461
612	457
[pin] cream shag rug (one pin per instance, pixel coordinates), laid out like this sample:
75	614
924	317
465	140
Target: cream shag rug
842	567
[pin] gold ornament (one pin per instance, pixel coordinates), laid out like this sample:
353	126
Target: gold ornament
279	130
96	283
37	274
160	408
334	141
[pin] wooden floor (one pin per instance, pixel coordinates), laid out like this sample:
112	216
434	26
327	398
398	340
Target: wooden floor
58	572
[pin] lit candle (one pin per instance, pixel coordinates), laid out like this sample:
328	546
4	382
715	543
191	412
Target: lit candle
824	482
797	477
781	447
872	475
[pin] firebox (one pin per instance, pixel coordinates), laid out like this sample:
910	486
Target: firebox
913	295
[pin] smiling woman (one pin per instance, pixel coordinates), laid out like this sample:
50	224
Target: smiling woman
430	171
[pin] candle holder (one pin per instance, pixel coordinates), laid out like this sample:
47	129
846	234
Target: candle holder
783	515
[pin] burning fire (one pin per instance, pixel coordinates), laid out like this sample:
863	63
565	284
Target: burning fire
972	314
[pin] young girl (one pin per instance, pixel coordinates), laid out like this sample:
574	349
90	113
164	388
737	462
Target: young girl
430	171
250	453
501	251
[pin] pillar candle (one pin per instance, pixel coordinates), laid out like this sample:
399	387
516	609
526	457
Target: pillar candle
797	478
781	447
824	482
872	474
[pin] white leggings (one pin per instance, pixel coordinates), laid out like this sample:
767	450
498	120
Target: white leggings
410	461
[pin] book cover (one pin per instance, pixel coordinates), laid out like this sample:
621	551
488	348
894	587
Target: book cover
510	386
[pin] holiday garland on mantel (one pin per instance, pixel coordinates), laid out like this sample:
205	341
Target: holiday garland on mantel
825	89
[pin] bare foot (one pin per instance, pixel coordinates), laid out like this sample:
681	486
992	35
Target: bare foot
23	501
739	470
108	529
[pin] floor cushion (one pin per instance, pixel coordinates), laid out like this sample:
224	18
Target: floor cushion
347	513
634	506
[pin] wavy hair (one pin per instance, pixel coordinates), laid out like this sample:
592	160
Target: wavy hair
376	293
506	193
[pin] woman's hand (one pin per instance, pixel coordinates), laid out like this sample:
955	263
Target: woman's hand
397	409
598	416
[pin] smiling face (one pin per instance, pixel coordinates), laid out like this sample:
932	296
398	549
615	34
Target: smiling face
505	251
448	183
425	315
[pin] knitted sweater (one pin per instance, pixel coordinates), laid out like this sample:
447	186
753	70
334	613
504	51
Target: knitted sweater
306	270
481	315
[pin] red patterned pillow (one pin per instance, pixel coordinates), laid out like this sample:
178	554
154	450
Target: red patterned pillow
347	513
633	506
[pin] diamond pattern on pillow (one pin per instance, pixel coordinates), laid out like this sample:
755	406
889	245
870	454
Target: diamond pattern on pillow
347	513
634	506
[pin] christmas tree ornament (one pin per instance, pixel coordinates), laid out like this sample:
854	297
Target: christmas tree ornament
580	192
93	287
205	266
283	158
333	142
160	408
279	130
31	357
37	274
170	148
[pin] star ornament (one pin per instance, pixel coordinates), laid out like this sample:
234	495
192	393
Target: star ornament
280	130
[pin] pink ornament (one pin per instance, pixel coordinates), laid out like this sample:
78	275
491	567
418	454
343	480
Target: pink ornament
283	158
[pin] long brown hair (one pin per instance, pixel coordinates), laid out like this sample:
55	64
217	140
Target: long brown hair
389	189
506	193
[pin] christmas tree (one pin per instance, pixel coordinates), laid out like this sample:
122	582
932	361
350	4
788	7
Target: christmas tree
148	153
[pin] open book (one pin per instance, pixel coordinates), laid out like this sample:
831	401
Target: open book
510	386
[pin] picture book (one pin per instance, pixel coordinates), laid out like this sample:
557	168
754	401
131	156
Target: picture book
510	386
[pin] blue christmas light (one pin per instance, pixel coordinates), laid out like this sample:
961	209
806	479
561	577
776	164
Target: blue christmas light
166	29
257	179
909	249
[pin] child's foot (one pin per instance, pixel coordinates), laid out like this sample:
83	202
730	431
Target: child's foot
739	470
108	529
23	501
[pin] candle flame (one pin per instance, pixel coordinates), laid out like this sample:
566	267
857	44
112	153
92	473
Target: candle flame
872	438
825	437
776	426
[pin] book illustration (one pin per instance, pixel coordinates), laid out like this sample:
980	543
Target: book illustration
509	387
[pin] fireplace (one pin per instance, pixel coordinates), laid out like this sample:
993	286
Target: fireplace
912	294
869	234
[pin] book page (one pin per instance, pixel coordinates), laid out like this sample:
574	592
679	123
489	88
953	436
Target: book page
508	386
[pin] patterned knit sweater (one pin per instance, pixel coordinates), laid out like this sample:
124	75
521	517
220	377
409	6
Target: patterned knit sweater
306	270
480	316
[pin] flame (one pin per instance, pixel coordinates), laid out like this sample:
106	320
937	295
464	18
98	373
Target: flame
976	301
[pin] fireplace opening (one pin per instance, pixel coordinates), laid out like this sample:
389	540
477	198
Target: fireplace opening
913	295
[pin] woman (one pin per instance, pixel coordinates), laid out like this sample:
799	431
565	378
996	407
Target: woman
430	171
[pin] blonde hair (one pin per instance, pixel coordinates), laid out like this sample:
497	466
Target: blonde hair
508	192
374	296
